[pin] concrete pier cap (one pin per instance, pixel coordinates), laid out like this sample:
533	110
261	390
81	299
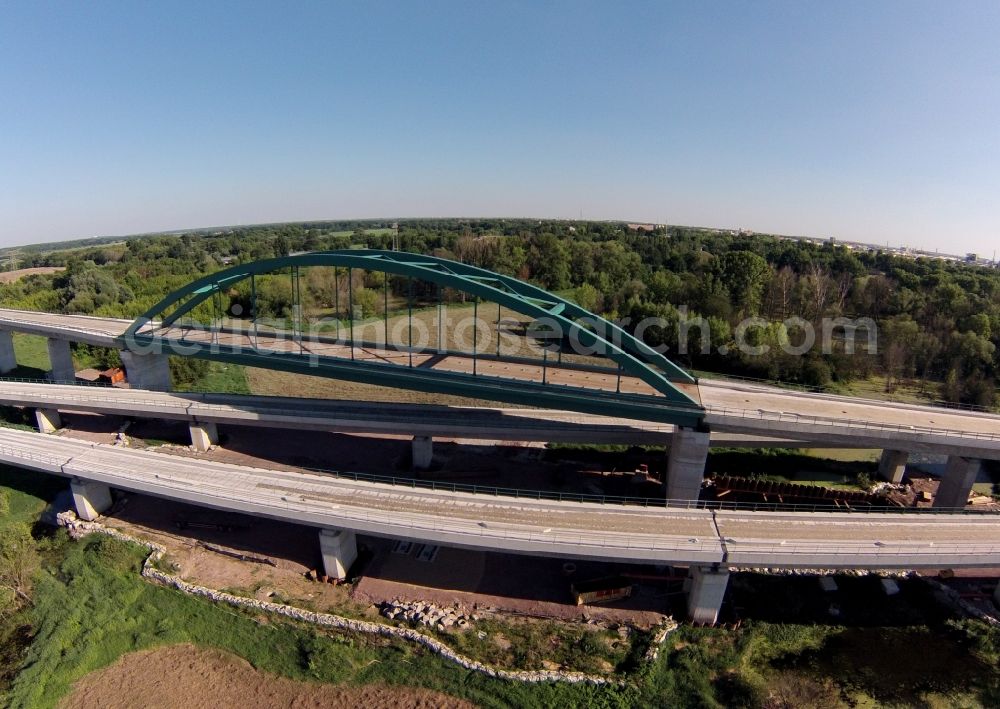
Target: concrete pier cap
48	420
89	498
686	463
61	359
147	371
706	593
892	465
956	484
423	452
8	360
204	435
339	548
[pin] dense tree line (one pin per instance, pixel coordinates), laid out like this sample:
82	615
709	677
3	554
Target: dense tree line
938	322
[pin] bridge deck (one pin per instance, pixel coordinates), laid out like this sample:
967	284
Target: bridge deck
732	407
571	529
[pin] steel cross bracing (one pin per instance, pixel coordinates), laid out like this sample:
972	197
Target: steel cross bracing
663	397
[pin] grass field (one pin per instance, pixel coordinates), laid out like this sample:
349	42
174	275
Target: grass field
90	607
222	379
33	357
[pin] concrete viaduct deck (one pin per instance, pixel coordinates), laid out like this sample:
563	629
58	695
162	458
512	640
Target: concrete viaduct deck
709	541
344	416
729	407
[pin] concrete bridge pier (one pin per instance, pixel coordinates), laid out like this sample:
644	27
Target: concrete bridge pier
48	420
147	371
892	465
956	483
61	358
8	360
686	463
339	548
90	498
423	452
204	435
707	589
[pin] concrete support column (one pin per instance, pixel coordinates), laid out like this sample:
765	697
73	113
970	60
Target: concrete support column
90	498
147	371
892	465
48	420
708	588
423	452
996	595
61	359
686	463
339	549
956	484
204	435
8	360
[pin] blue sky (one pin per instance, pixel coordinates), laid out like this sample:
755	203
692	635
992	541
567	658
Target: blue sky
877	121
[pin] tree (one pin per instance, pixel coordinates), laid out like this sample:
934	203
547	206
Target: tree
744	275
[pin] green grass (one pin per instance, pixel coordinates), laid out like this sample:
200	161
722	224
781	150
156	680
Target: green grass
93	608
27	493
221	378
32	356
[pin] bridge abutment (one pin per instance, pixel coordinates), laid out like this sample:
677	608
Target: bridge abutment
8	360
686	463
204	435
48	420
956	483
61	359
90	498
339	548
147	371
707	590
892	465
423	452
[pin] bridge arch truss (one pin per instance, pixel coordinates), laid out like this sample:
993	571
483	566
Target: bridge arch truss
638	382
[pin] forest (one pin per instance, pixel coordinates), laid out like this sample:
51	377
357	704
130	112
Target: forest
938	322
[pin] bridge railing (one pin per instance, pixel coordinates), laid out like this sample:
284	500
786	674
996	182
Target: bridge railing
852	424
848	425
635	501
724	378
742	551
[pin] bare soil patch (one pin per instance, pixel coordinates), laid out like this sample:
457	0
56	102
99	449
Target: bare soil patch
11	276
189	677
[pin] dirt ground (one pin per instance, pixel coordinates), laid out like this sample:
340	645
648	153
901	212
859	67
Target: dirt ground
189	677
487	581
506	583
11	276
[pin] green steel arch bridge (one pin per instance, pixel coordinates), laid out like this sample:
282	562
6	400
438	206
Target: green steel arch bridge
389	318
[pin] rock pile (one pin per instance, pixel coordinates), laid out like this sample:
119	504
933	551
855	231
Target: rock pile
427	614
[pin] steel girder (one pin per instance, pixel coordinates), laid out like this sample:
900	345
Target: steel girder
601	336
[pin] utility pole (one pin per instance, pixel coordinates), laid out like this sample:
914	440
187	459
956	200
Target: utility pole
395	236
